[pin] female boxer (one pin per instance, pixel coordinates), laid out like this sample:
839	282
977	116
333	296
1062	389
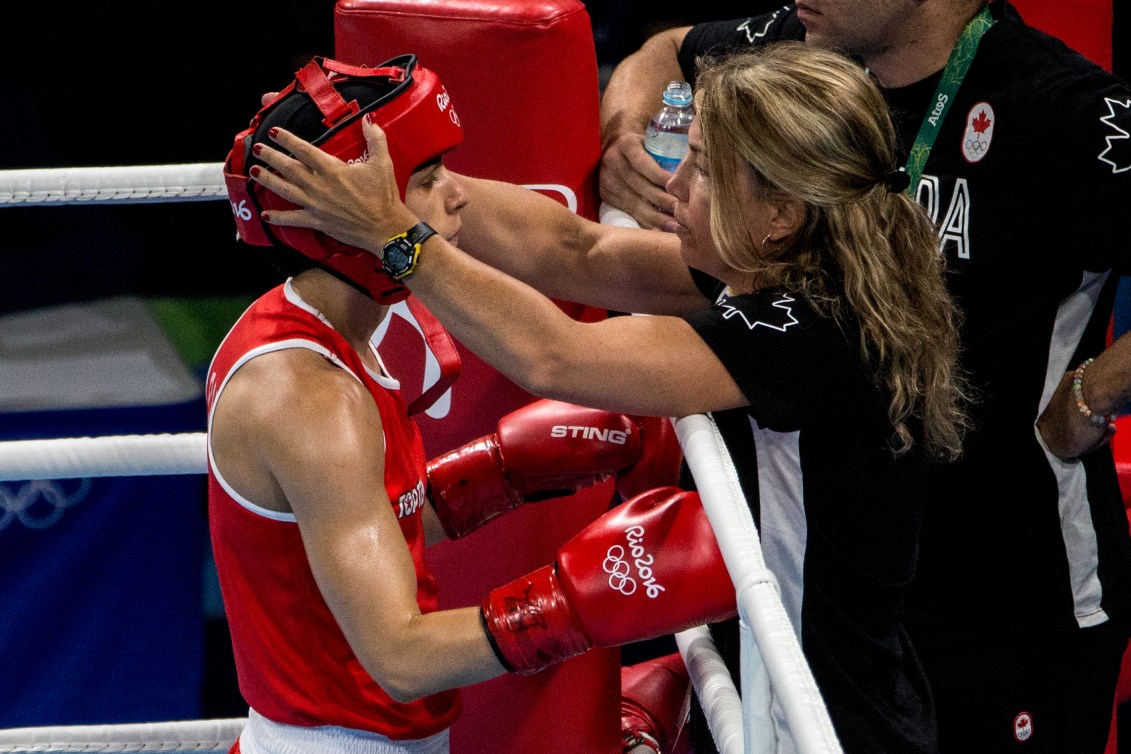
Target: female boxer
320	500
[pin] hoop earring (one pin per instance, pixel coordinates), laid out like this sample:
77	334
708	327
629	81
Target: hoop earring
762	246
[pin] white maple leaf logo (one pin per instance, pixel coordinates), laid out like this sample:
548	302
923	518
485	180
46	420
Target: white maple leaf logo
786	319
753	35
1117	153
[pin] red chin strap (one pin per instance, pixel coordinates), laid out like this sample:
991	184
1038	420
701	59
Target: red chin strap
440	342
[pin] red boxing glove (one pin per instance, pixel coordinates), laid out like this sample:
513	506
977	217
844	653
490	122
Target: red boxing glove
653	702
647	568
543	450
660	458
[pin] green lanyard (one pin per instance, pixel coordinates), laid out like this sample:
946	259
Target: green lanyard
955	71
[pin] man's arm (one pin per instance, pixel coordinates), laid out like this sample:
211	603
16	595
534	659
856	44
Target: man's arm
1105	387
630	179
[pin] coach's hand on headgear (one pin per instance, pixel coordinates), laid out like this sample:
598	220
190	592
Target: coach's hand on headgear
358	203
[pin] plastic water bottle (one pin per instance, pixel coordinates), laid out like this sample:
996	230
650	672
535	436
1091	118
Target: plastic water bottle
666	139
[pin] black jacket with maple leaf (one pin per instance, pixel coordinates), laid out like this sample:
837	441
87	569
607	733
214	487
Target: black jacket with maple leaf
838	513
1029	184
1034	217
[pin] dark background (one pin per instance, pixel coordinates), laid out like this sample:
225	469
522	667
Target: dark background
141	82
136	82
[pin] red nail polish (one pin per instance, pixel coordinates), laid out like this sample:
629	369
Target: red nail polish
273	132
255	170
256	148
265	216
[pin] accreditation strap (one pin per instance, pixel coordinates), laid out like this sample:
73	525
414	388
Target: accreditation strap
955	71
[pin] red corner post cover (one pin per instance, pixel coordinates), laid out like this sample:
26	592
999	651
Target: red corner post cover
523	76
1084	25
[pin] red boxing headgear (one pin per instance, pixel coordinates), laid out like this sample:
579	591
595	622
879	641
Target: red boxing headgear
324	105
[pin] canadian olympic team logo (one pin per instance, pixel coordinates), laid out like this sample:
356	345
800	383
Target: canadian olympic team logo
979	132
619	568
1023	726
39	504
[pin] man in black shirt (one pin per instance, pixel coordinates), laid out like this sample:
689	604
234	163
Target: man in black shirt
1019	608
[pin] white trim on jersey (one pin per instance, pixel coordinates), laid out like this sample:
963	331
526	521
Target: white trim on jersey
263	736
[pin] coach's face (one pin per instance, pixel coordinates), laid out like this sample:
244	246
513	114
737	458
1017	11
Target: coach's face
864	28
691	187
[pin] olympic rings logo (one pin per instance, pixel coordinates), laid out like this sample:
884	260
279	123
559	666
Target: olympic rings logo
618	569
39	504
976	145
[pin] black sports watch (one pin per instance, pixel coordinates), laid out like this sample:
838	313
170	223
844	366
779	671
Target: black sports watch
402	251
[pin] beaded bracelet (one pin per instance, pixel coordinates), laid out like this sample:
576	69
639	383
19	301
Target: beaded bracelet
633	739
1100	420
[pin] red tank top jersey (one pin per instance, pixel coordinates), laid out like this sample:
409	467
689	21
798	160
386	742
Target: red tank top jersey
293	663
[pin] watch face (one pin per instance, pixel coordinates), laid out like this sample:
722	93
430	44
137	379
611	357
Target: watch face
399	257
401	252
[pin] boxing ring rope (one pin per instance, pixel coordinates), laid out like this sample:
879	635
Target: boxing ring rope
773	669
114	455
775	677
117	185
212	736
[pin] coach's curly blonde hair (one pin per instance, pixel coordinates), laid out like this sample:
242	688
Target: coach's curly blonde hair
811	125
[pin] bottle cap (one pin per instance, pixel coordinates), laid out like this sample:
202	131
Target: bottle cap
678	94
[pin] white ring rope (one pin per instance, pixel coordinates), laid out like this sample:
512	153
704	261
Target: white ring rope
776	647
215	735
717	695
117	185
113	455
